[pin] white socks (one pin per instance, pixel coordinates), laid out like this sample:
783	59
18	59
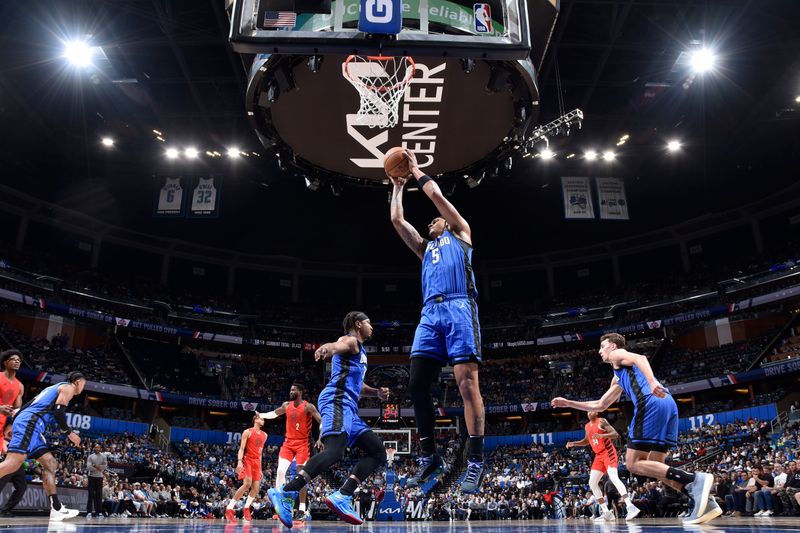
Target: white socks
248	502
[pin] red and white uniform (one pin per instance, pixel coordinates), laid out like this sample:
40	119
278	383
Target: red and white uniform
252	455
605	452
298	431
9	390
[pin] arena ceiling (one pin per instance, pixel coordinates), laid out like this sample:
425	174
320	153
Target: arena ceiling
166	66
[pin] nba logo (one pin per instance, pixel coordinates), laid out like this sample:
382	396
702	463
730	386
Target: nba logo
483	18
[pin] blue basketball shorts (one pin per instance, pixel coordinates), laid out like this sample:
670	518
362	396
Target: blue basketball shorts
339	415
448	331
654	425
27	435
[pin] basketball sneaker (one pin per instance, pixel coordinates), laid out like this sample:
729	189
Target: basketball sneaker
633	511
343	506
712	511
230	515
248	516
283	503
63	513
472	481
699	490
427	467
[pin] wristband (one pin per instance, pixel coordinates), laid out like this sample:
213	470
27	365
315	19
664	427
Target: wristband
423	180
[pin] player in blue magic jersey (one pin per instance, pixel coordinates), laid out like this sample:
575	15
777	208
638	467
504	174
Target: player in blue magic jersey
28	440
448	330
341	427
654	426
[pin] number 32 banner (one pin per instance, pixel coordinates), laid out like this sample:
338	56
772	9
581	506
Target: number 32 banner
205	197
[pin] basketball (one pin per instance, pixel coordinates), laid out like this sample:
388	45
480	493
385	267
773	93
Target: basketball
395	162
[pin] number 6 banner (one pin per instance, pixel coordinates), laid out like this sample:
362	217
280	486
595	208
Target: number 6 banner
381	16
205	198
169	201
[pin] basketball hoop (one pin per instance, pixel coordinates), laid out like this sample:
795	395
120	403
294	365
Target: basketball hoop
390	456
381	82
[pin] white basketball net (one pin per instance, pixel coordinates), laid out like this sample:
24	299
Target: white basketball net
390	455
380	82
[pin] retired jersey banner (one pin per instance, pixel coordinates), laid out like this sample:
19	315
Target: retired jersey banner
611	197
170	198
205	198
577	197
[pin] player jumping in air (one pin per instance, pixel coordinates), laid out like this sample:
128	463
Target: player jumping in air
341	426
248	467
599	435
654	428
299	414
448	330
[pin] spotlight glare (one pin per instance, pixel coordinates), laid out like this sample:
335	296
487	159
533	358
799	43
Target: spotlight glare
674	145
625	137
570	156
609	155
797	99
78	53
702	60
191	153
233	152
590	155
172	153
546	154
107	141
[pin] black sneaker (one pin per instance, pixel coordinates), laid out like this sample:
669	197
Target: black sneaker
427	467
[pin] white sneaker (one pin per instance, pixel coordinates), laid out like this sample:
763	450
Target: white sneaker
633	512
760	513
769	512
63	513
608	516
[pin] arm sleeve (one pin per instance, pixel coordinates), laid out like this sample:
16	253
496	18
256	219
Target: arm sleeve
60	414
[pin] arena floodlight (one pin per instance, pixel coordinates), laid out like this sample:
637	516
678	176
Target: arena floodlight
172	153
108	142
78	53
674	145
609	155
191	153
233	152
797	99
702	60
590	155
547	154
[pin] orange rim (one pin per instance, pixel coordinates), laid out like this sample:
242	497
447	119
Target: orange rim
403	83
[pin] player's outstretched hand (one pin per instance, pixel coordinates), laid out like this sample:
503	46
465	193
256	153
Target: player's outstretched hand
658	389
321	353
319	445
383	393
412	159
74	439
570	444
559	402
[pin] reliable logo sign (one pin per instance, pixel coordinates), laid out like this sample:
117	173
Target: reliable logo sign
445	115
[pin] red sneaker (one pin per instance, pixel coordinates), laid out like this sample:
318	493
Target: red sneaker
230	516
247	516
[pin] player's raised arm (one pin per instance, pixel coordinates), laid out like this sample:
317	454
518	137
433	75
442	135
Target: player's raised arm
612	395
623	357
458	224
346	344
410	236
274	414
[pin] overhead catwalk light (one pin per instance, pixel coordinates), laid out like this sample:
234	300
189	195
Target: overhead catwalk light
609	155
78	53
624	137
702	60
172	153
674	145
157	132
108	142
590	155
191	153
570	156
547	154
233	152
